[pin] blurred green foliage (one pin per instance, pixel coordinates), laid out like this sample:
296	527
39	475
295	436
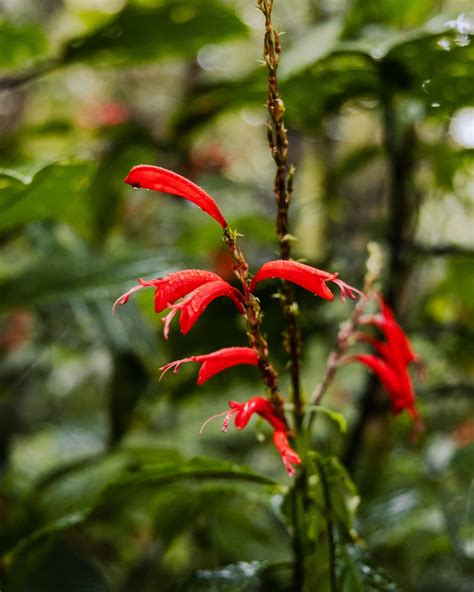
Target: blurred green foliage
105	481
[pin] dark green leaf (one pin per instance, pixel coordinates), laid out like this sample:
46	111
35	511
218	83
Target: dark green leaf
357	574
54	567
143	34
64	276
54	191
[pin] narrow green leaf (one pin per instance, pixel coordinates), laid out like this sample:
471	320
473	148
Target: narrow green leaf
338	418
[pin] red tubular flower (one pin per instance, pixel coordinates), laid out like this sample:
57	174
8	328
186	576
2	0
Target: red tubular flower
391	365
159	179
172	287
288	455
312	279
242	412
197	301
396	337
216	362
397	384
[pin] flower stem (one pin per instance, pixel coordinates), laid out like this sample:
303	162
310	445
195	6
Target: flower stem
373	269
283	187
254	323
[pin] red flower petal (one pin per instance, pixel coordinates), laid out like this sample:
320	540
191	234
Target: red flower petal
216	362
397	383
244	411
312	279
289	456
307	277
159	179
198	300
172	287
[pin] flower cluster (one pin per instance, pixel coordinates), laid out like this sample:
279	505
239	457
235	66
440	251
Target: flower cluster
391	365
191	291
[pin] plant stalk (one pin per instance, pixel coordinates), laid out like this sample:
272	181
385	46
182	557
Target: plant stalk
253	315
283	186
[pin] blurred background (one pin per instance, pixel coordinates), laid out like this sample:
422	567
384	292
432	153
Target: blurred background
380	111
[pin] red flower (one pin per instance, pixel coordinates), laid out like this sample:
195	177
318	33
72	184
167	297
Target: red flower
396	337
159	179
391	365
396	382
288	455
216	362
197	301
172	287
312	279
242	412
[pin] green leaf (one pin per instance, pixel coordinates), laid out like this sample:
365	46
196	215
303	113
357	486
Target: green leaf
21	46
343	493
59	277
196	469
338	418
55	190
54	567
357	574
143	34
241	576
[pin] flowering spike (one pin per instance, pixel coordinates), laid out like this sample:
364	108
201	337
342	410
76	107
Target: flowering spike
312	279
172	287
289	456
216	362
165	181
198	300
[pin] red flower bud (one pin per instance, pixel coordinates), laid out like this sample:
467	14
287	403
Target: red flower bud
159	179
197	301
216	362
312	279
172	287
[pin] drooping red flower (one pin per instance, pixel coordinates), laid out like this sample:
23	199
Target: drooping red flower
312	279
397	383
160	179
392	363
289	456
216	361
242	413
196	303
396	337
172	287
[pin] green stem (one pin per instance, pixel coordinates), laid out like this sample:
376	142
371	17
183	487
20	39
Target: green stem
330	527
